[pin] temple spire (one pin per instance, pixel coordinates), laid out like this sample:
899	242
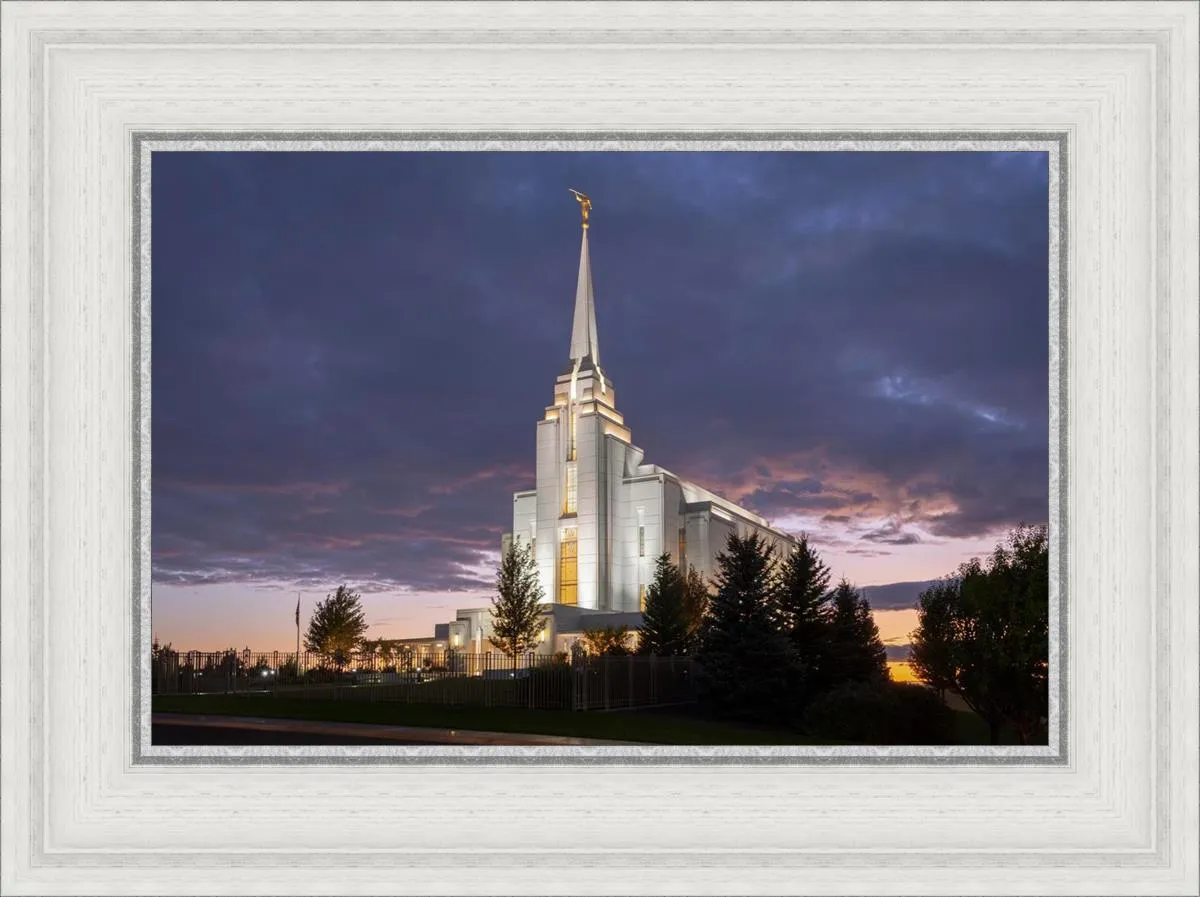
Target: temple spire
584	344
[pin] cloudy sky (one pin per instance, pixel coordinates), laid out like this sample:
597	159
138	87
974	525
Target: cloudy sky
351	352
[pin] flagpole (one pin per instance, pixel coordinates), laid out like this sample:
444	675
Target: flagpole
297	635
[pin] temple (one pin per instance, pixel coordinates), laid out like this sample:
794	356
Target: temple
599	516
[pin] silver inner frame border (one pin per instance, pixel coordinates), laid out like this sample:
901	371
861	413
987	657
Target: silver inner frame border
1056	144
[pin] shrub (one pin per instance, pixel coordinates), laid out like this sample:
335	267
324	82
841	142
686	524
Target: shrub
880	713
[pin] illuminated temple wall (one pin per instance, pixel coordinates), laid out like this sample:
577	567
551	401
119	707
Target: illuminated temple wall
593	484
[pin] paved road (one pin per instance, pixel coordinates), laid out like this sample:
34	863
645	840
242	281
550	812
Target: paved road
210	735
205	729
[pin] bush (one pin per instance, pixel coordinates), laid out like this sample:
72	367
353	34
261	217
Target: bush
880	713
553	672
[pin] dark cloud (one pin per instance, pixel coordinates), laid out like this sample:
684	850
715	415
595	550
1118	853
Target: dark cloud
350	351
891	533
896	595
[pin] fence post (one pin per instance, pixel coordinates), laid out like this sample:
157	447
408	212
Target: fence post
529	679
605	663
578	682
629	695
573	679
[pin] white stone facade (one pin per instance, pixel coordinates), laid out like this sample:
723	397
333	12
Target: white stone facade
592	483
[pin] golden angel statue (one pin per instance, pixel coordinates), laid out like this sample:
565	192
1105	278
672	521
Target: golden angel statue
585	204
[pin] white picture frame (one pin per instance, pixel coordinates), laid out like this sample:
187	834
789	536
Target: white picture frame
1109	807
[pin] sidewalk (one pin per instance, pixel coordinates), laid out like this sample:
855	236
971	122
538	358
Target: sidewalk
407	734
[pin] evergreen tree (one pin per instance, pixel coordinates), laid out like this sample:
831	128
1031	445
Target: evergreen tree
517	608
336	628
985	635
666	628
744	665
804	613
856	652
695	606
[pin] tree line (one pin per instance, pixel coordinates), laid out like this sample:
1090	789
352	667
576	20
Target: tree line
776	643
769	635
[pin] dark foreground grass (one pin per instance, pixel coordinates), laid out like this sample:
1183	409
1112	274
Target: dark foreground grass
682	725
657	727
969	728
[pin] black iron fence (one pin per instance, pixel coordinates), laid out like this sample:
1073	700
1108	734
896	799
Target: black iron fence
536	681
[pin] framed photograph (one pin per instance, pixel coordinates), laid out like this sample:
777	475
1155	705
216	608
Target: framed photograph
294	294
495	447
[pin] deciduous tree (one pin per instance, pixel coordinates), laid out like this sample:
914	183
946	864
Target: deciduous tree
609	641
337	625
985	635
934	644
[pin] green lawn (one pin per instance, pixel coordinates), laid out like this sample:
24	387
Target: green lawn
656	727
